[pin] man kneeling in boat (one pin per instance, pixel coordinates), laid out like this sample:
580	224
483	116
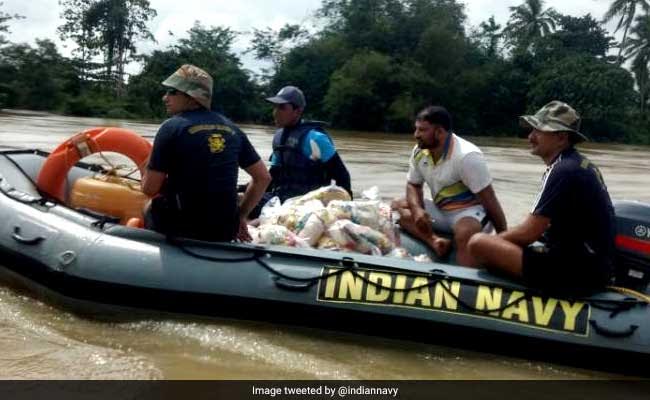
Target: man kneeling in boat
460	183
573	214
194	165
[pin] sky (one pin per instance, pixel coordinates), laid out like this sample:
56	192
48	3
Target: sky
42	17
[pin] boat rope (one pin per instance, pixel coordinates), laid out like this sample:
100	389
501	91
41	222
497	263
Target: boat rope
42	201
630	292
434	277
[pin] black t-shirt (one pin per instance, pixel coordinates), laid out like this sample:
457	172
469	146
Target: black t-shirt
201	153
574	197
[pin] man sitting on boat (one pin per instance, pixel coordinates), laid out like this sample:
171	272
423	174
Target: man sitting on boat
573	214
464	201
304	157
194	165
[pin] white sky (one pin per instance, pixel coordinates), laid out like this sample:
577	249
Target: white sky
177	16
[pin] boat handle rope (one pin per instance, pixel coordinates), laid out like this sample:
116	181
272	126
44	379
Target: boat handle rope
601	330
347	264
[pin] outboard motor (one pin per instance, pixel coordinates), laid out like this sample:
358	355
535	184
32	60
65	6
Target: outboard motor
632	244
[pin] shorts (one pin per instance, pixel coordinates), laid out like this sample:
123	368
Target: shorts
162	217
562	269
444	221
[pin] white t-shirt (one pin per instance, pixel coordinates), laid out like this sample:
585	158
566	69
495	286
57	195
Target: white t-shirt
455	179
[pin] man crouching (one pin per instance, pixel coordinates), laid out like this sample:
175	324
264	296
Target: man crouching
464	202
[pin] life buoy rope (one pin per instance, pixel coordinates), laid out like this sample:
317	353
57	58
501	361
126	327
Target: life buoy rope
52	176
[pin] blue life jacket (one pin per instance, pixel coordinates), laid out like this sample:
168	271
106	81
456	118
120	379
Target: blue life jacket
295	174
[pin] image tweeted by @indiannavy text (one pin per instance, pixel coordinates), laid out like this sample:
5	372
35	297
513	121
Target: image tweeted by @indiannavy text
326	391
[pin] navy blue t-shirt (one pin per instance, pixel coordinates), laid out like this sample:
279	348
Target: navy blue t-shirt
201	153
575	199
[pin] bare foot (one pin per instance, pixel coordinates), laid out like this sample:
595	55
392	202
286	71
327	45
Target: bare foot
441	246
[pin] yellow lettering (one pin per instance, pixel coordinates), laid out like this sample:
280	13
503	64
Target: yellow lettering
488	298
400	284
571	312
375	293
421	295
519	307
543	312
330	284
442	295
351	286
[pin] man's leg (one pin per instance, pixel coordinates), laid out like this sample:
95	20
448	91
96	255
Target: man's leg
440	245
464	229
496	253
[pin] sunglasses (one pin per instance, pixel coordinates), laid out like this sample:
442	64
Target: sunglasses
172	92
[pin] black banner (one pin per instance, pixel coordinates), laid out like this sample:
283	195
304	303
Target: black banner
338	390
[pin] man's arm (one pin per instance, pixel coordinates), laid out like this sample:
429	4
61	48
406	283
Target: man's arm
260	179
337	171
527	232
152	182
415	201
489	200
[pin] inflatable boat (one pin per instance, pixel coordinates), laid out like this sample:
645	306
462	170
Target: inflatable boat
96	264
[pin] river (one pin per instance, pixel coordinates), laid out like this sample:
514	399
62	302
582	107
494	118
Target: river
41	341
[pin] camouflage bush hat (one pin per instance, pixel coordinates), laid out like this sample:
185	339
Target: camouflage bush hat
194	82
556	116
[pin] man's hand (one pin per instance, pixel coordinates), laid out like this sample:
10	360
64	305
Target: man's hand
242	233
422	221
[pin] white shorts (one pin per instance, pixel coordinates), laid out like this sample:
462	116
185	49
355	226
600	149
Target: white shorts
444	221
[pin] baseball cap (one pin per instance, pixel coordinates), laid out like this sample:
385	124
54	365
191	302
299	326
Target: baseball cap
289	94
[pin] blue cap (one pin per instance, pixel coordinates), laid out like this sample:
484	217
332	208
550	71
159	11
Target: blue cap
289	94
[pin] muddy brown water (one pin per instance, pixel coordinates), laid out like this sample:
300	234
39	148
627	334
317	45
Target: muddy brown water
40	341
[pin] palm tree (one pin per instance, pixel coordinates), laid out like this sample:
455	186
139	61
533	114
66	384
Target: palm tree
530	21
637	49
490	32
626	9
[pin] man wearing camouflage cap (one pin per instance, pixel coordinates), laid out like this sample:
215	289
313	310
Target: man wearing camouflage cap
573	217
194	166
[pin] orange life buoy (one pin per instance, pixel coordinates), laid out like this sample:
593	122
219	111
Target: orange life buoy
51	178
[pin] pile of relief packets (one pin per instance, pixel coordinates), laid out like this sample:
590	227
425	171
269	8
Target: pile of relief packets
326	218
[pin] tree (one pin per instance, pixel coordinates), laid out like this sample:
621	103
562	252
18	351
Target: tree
360	92
489	36
638	50
36	78
528	22
78	28
111	27
4	18
601	92
273	46
211	49
626	9
576	35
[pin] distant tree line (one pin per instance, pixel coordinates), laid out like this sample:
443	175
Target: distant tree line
371	65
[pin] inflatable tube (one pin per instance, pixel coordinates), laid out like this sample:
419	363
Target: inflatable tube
52	176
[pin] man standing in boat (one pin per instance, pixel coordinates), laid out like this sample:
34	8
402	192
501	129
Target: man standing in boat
194	166
464	202
573	214
304	157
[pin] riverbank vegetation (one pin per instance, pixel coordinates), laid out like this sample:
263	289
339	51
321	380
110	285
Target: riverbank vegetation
370	65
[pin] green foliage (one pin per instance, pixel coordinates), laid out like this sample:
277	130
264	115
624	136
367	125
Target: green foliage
600	91
528	22
577	35
359	92
209	48
37	78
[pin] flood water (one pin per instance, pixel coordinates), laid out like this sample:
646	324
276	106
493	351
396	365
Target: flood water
40	341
